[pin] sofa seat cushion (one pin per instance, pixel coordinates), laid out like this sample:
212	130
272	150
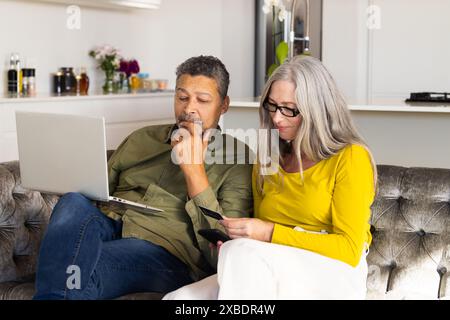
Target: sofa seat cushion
410	253
15	290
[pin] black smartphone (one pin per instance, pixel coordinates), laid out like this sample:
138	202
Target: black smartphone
214	235
210	213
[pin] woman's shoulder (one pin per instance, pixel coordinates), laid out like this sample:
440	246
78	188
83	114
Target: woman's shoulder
353	157
354	150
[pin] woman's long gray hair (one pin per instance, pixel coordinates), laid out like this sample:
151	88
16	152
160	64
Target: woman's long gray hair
326	125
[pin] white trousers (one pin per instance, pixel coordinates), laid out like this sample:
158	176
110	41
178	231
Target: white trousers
251	269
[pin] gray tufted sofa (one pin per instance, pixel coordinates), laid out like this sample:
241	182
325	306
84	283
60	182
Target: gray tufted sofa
409	257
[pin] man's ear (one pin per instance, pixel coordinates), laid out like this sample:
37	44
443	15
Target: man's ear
225	105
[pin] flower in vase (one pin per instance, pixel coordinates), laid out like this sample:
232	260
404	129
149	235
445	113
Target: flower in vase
108	59
129	67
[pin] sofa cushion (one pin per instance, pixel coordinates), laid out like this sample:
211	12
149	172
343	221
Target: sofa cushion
409	256
24	215
16	290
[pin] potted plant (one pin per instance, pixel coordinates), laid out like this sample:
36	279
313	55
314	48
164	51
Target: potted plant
108	59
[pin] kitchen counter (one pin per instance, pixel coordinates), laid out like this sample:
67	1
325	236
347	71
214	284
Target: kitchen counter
92	96
398	133
381	105
123	113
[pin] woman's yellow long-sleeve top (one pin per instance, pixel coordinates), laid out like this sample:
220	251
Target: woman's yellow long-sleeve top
336	197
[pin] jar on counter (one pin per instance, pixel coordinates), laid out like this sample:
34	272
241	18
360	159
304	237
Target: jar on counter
143	81
32	82
153	85
25	82
83	82
28	82
162	84
69	80
134	83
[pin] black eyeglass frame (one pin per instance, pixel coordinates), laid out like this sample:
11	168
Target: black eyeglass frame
267	105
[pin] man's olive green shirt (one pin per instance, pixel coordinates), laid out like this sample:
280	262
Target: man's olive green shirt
142	170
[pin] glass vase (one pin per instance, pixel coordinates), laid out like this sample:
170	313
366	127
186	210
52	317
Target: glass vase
108	86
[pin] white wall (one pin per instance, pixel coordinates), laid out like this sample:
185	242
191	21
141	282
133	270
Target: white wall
409	53
238	45
159	39
344	45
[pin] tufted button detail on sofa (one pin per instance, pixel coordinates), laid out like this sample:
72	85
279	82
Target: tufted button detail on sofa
421	233
23	217
442	270
410	226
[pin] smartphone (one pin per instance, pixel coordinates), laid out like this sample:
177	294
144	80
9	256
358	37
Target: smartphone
214	235
210	213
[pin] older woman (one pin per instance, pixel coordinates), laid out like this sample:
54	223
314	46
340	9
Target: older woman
310	234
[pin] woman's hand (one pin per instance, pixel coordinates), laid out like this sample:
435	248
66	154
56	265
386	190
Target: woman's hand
251	228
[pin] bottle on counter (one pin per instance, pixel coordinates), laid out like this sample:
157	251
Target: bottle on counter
58	83
25	86
14	78
69	81
83	82
32	82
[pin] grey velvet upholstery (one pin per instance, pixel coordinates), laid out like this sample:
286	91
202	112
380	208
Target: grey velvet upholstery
409	256
24	215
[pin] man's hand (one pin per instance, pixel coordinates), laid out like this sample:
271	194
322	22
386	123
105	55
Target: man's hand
251	228
189	147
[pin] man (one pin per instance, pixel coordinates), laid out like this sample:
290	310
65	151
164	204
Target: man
103	253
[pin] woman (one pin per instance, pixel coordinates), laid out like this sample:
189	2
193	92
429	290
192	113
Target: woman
310	235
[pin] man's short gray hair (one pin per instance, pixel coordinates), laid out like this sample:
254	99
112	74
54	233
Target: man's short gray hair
207	66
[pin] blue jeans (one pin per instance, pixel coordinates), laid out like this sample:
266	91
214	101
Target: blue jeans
83	256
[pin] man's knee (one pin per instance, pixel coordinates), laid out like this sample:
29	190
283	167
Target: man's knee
70	208
73	197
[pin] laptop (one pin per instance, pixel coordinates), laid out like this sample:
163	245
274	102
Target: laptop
60	153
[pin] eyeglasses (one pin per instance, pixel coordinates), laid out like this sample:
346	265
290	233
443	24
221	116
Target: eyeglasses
285	111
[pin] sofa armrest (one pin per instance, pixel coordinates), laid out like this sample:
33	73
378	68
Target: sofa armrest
24	216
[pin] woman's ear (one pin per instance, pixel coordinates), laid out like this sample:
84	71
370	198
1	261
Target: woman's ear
225	105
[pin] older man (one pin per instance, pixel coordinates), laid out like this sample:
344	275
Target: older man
91	252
